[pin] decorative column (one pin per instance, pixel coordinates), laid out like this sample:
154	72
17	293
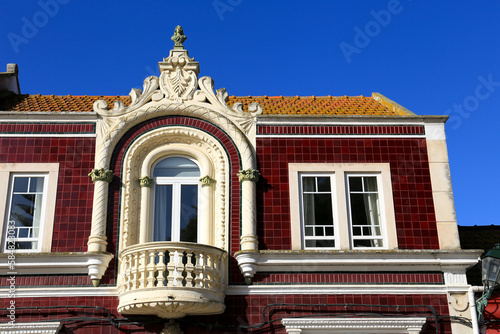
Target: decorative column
146	183
97	240
248	179
205	204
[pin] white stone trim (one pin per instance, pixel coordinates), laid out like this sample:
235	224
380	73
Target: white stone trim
410	325
255	290
339	289
61	291
52	327
340	136
456	262
94	264
383	172
162	142
284	120
47	116
51	172
47	135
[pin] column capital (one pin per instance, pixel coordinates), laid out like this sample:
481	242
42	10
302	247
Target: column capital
146	181
207	181
101	174
249	175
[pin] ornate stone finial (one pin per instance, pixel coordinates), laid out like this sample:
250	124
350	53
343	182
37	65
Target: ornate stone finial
249	175
179	38
101	174
146	181
207	181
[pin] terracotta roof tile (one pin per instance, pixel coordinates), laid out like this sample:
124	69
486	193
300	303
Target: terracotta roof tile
272	105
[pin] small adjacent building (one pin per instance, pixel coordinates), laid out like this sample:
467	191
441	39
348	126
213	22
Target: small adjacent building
182	209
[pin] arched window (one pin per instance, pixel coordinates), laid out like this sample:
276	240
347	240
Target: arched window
176	200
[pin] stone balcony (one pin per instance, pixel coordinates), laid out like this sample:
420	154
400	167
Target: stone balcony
172	279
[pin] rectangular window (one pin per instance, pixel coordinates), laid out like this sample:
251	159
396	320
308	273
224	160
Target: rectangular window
25	214
342	206
317	211
364	211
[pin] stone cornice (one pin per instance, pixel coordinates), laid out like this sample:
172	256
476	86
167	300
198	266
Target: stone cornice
93	264
456	261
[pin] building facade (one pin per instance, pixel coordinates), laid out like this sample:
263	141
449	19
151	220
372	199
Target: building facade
181	209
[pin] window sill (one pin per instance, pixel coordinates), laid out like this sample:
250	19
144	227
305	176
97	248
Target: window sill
93	264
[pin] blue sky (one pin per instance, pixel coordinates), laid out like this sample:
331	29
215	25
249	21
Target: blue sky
433	57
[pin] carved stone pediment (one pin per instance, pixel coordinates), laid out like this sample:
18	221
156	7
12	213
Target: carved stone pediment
179	83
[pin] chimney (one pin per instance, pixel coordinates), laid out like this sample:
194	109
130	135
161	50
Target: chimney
9	81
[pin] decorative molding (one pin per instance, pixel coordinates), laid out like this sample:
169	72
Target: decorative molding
95	264
410	325
207	181
247	290
447	261
62	291
52	327
336	289
176	139
455	277
249	175
146	181
101	174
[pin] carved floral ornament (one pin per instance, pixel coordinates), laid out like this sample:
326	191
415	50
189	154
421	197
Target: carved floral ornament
179	83
101	174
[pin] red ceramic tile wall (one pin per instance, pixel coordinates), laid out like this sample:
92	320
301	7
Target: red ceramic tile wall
47	128
411	183
240	310
341	130
244	310
74	189
351	278
231	150
47	280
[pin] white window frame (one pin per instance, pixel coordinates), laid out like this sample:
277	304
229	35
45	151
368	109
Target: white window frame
334	213
349	210
341	210
51	173
176	183
42	208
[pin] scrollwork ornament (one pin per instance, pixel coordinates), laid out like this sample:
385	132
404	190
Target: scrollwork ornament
146	181
101	174
207	181
249	175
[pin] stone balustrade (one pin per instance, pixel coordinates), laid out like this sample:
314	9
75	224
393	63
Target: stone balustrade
172	279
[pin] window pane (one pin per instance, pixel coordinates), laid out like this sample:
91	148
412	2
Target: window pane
22	210
324	184
309	184
365	212
330	243
26	211
163	213
355	183
189	213
36	185
176	166
21	184
370	183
